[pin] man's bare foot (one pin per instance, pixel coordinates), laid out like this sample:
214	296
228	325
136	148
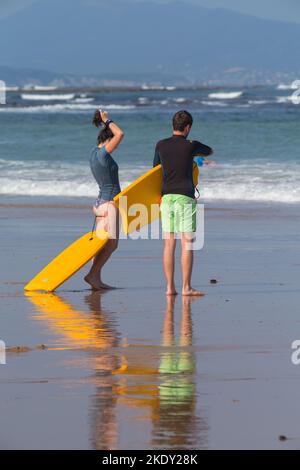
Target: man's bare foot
171	291
93	282
192	292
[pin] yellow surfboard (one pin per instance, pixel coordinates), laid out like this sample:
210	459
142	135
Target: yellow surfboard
139	206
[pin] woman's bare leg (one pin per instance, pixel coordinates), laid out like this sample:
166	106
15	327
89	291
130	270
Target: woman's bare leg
108	221
94	276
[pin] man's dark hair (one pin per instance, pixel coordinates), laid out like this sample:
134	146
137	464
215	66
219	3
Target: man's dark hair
182	119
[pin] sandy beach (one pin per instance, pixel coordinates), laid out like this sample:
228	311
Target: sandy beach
92	99
128	369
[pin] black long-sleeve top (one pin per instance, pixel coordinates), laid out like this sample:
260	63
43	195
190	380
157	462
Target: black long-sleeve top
176	155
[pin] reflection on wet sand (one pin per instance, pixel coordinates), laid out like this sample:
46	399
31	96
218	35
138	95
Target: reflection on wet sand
152	386
177	424
75	329
103	414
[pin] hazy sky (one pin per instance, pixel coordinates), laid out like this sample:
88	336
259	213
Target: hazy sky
7	7
287	10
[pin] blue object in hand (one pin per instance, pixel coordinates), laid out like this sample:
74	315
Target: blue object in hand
200	161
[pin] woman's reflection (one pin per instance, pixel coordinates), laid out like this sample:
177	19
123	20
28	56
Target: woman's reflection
145	383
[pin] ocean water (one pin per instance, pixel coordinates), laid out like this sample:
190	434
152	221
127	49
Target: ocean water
46	138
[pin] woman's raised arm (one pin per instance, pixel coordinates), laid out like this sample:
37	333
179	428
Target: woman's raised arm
116	130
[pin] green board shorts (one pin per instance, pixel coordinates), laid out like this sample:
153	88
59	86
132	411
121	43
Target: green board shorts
178	213
177	383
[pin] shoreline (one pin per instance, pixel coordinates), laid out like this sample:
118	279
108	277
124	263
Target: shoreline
90	362
51	202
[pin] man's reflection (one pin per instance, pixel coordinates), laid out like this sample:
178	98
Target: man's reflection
145	383
177	424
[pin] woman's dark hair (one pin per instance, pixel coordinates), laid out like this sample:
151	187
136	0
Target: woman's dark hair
105	134
97	119
182	119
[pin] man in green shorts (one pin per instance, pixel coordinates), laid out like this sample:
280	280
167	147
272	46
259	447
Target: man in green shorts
179	207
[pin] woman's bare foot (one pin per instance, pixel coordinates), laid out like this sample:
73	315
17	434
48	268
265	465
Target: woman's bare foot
93	282
106	286
192	292
96	283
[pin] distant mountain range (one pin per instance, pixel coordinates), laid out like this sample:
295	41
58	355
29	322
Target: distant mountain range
23	76
92	44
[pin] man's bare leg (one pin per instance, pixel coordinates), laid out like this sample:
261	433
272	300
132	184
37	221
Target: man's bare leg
169	262
187	259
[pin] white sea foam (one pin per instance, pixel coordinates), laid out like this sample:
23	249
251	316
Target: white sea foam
225	95
214	103
253	181
118	106
143	100
291	86
284	99
55	178
51	97
59	108
180	100
259	180
83	100
258	102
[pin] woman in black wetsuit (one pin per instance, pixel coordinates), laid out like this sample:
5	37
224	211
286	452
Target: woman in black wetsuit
106	173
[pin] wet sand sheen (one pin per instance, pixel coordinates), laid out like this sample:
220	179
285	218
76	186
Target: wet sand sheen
131	369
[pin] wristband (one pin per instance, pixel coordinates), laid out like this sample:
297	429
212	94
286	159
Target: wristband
108	122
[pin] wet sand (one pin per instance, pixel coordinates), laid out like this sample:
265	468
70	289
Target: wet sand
128	369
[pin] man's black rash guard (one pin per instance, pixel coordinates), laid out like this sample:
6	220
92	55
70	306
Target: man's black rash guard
176	155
